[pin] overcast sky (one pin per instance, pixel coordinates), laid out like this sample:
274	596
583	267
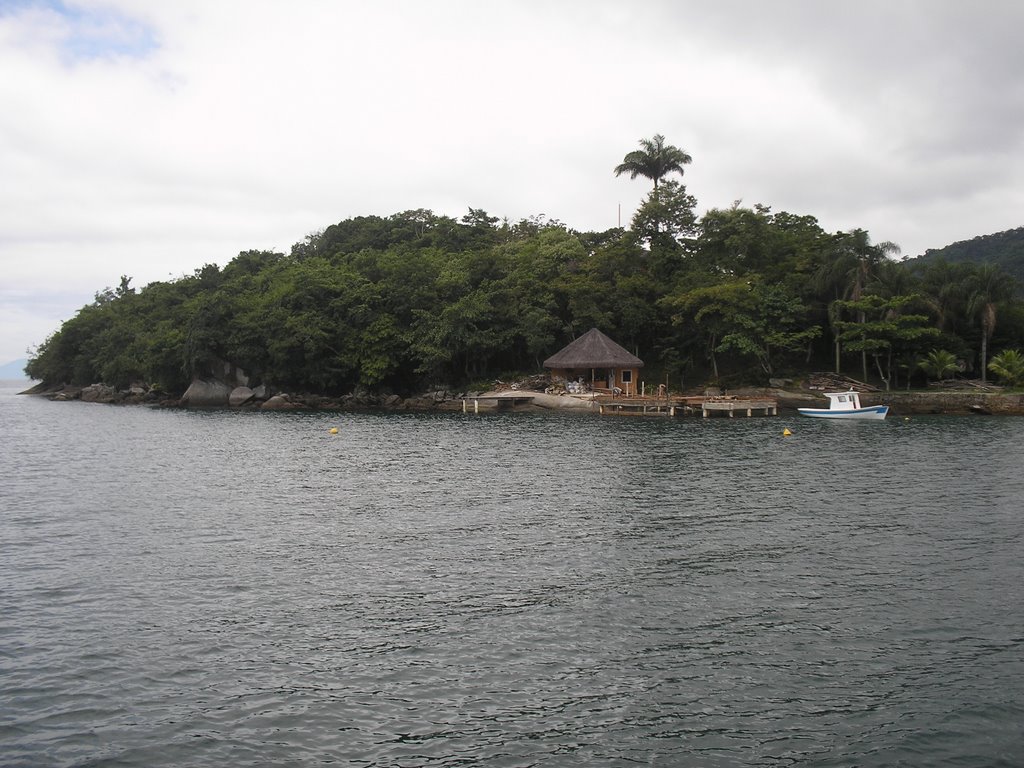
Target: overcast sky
148	138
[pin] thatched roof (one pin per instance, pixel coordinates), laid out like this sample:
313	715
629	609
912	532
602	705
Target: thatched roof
593	350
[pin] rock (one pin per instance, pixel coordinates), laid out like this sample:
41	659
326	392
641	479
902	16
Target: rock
392	401
262	392
99	393
279	403
206	394
240	396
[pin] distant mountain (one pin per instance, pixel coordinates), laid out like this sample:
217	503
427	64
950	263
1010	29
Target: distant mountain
1003	249
14	370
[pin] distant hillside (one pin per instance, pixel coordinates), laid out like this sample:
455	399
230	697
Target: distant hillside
14	370
1003	249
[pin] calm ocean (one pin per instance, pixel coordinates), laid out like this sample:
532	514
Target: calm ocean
241	589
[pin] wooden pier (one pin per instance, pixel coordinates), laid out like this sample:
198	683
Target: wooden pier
635	405
500	401
733	405
682	406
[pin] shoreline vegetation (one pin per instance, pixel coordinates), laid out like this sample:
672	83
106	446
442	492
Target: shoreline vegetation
389	308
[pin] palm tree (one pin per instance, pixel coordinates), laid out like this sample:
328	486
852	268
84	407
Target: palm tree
938	364
943	286
990	287
1009	366
654	161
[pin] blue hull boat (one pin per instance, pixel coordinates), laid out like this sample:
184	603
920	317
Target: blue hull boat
846	405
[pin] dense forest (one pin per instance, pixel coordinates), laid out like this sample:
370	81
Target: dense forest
1003	249
416	300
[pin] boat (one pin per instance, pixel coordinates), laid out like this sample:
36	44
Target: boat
846	405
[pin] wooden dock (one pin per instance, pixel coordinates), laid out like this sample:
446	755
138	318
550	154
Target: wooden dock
500	401
636	405
683	406
744	406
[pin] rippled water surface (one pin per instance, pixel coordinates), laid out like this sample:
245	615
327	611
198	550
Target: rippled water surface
215	588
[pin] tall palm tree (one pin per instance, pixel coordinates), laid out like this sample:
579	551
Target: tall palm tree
654	161
944	286
989	287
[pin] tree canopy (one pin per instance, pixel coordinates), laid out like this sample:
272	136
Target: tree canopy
408	301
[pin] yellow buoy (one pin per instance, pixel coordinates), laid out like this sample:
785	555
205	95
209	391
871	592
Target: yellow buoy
786	432
334	430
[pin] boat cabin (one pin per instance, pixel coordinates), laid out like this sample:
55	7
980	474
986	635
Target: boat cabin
843	401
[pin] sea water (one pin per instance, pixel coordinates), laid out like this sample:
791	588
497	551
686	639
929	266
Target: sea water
225	588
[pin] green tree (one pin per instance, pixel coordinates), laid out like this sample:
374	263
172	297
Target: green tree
988	288
778	323
853	263
938	364
1008	365
884	331
665	219
944	285
709	310
654	160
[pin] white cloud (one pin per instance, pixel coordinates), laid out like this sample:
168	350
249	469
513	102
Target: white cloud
148	138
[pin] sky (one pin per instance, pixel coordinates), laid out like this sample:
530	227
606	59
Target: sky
148	138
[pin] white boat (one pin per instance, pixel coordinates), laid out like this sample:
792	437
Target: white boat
846	405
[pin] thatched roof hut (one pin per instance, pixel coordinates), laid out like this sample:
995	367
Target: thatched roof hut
593	352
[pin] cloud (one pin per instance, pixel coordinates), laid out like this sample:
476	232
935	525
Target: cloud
148	138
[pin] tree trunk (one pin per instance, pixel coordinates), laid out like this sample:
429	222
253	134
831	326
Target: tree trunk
984	354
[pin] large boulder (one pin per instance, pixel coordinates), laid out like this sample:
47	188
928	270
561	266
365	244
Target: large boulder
206	394
240	396
280	402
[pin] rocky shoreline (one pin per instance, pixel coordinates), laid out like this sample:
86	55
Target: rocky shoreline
218	394
213	394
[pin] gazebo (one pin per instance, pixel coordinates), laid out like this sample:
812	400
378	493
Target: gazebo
596	359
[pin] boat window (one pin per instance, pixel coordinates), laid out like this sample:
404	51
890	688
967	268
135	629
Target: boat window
842	398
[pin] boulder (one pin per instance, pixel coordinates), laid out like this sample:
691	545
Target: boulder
206	394
278	403
99	393
240	396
